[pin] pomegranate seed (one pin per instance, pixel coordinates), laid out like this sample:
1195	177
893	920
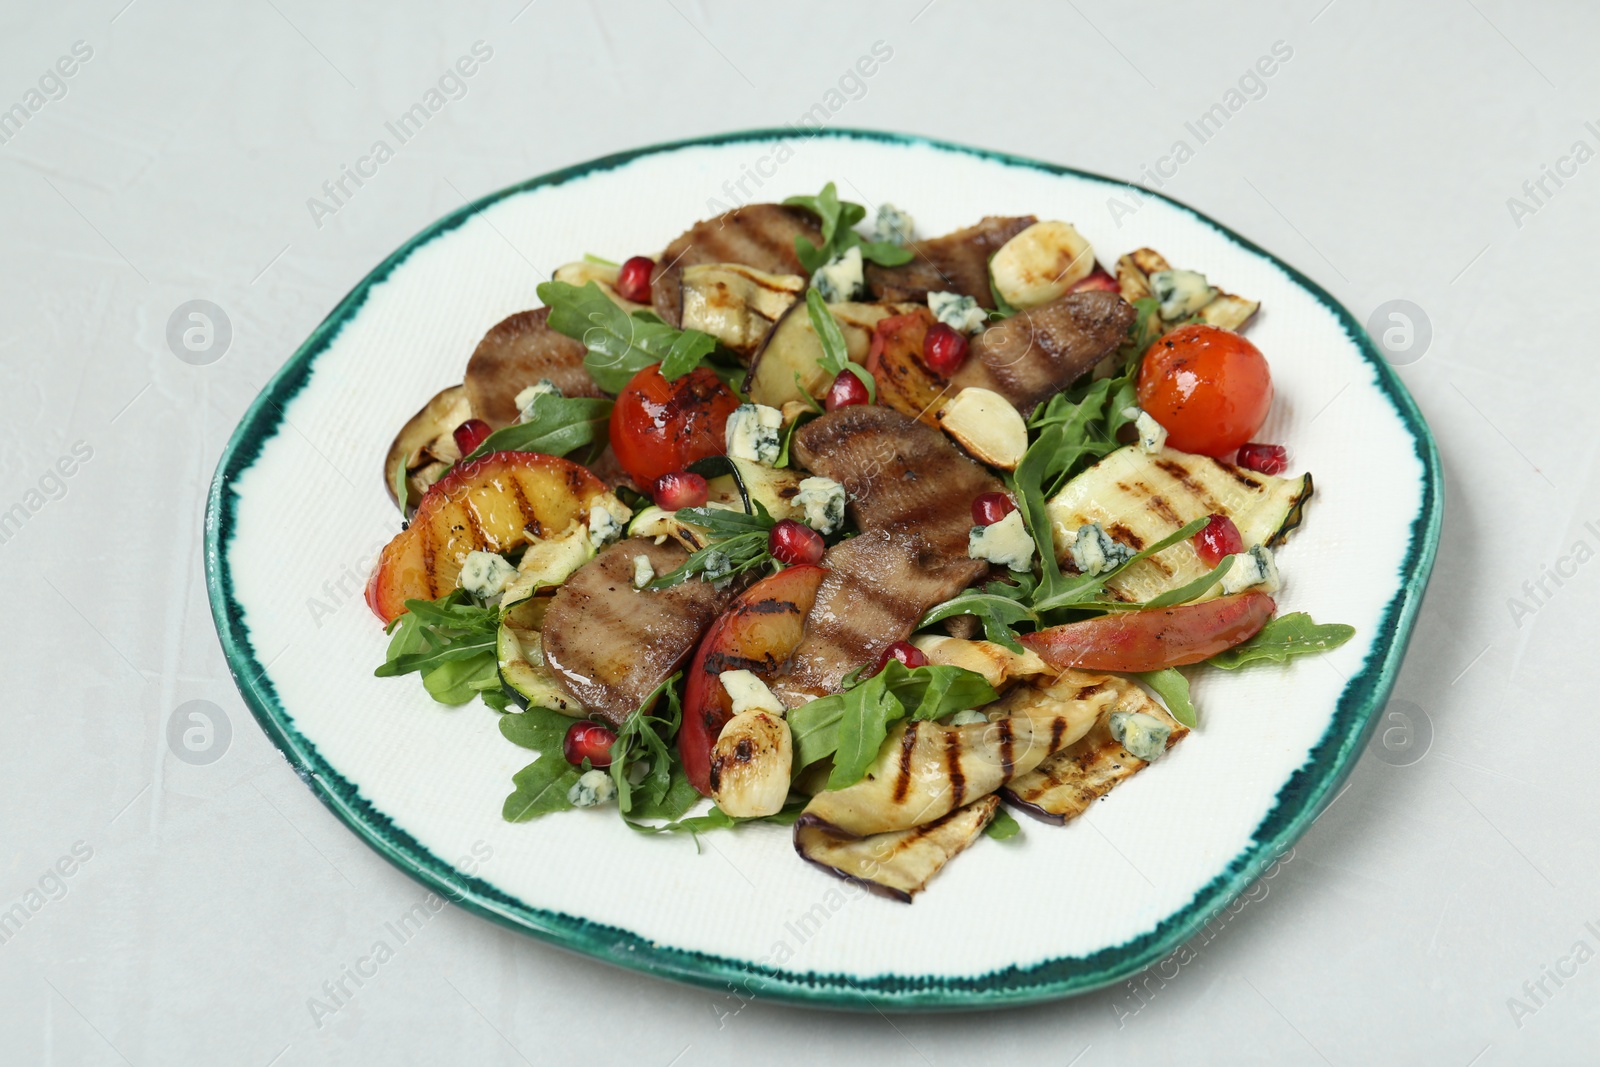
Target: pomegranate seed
944	349
904	651
470	434
633	279
1097	281
795	543
990	508
588	741
1263	459
846	390
1217	538
680	490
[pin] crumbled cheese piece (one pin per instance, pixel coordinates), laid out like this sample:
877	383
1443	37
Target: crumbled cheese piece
607	516
753	433
485	574
893	225
718	566
1251	569
1006	542
823	501
1095	552
957	311
526	397
841	278
643	572
591	788
967	718
749	693
1144	736
1181	292
1152	435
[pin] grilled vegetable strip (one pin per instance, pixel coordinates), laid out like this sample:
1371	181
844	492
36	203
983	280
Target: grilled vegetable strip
1153	640
897	864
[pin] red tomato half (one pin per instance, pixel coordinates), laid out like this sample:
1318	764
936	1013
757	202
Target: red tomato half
659	427
1208	386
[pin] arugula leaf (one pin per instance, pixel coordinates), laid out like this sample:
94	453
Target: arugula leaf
537	728
800	420
1172	686
679	798
1289	635
555	425
717	819
863	725
458	681
737	542
835	353
620	345
1190	590
839	218
1080	589
541	787
1002	827
590	257
451	642
997	613
642	742
936	690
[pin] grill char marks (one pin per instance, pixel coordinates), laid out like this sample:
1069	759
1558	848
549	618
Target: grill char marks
515	354
899	474
756	235
610	644
1039	352
955	263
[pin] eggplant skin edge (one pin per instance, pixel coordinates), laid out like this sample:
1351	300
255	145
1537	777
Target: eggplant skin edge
877	888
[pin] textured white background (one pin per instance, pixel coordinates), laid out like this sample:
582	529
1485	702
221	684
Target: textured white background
219	898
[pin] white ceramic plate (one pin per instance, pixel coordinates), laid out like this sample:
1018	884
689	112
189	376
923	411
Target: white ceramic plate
298	511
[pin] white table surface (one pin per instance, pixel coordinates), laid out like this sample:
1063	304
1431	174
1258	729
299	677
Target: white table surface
217	899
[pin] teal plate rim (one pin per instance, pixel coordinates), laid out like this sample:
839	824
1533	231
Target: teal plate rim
1298	802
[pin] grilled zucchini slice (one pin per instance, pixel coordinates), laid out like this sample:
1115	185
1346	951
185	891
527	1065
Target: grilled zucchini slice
523	673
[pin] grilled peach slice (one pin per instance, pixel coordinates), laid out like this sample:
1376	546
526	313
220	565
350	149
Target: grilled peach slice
904	382
758	634
499	502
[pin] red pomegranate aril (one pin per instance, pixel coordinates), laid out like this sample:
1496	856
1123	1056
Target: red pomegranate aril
795	543
846	391
680	490
588	741
944	349
633	279
470	434
904	651
1217	538
1096	281
990	508
1263	459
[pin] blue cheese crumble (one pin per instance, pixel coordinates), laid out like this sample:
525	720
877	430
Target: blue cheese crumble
643	572
749	693
842	278
526	398
893	225
1144	736
822	500
485	574
968	718
1181	292
1006	543
718	565
1095	552
607	517
1251	569
1152	435
753	433
592	788
957	311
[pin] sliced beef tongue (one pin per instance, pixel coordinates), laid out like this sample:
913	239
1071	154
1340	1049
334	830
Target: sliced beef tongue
1036	353
899	474
610	644
756	235
955	263
517	353
878	585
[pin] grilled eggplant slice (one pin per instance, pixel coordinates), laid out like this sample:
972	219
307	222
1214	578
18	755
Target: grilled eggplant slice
1063	786
1139	498
926	770
788	365
736	304
955	263
426	446
756	235
1225	309
897	864
518	352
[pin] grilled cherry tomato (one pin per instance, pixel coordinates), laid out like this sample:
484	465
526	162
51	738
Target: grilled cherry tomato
1208	386
1154	639
659	427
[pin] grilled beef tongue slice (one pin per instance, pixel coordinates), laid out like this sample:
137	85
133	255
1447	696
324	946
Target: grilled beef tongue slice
1037	353
610	644
955	263
878	585
515	354
899	474
756	235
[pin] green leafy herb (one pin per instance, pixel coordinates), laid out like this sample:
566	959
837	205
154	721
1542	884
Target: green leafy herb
590	257
1002	827
542	786
642	749
996	611
1287	635
835	354
717	819
451	642
1173	688
679	798
737	542
839	218
1081	589
620	345
1197	588
537	728
800	420
555	425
